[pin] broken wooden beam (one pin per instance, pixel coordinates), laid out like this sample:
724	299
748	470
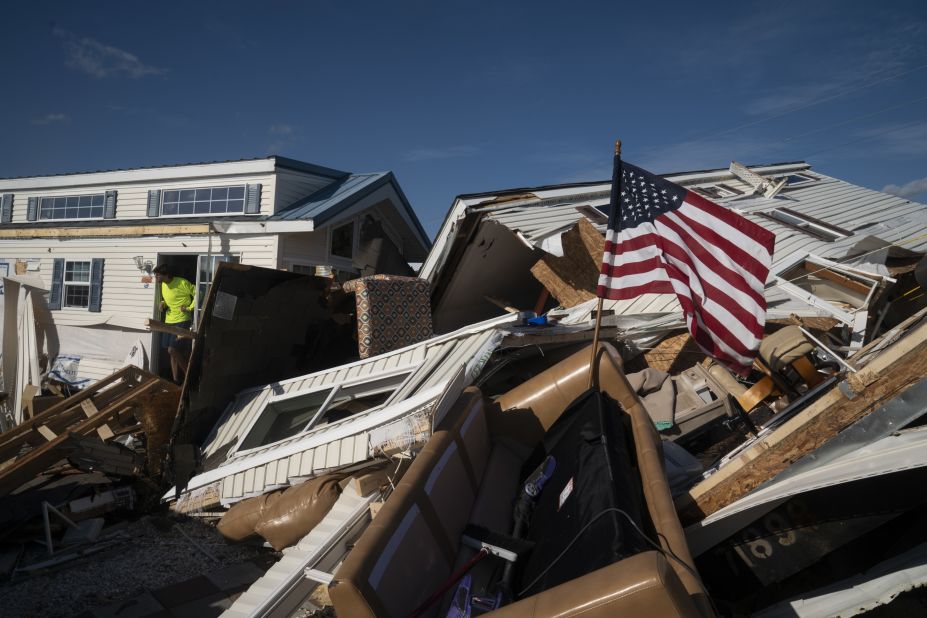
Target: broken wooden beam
884	378
139	388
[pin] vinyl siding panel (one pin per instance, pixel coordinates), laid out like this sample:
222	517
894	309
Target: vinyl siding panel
126	302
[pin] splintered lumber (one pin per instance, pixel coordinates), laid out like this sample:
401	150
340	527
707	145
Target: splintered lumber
883	379
572	278
133	388
161	327
65	413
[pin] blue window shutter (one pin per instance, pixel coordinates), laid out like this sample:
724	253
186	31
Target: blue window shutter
154	202
109	205
253	199
57	286
96	284
6	209
32	209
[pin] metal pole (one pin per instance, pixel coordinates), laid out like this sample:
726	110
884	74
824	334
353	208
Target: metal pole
598	311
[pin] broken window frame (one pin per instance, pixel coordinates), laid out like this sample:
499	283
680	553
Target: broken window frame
352	223
804	179
394	381
806	224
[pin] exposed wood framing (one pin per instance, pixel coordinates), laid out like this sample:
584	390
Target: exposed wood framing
883	379
119	231
572	279
92	412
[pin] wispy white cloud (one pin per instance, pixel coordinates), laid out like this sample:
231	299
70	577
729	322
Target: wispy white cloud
99	60
281	137
446	152
281	129
48	119
908	189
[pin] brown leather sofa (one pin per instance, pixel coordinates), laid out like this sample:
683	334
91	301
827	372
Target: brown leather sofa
468	473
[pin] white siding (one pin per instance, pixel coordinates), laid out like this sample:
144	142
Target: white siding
306	248
126	301
132	198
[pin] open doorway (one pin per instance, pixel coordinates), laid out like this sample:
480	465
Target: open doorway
198	269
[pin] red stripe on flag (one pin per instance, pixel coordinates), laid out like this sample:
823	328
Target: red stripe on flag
744	259
697	249
658	286
746	317
758	233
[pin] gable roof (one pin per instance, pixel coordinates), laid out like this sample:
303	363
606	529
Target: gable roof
342	194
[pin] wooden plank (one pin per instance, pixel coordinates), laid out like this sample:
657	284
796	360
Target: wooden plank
824	273
29	393
47	433
573	277
12	440
89	408
39	458
883	379
106	232
161	327
105	432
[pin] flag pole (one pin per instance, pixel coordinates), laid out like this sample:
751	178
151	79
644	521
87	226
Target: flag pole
598	310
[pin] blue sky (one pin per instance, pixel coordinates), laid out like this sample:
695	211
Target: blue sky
462	97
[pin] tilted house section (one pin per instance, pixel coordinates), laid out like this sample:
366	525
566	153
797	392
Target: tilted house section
812	214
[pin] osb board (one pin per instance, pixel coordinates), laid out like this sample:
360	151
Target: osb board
572	278
674	354
882	380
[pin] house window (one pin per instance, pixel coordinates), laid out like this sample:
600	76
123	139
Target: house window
287	415
212	201
808	224
77	284
343	241
72	207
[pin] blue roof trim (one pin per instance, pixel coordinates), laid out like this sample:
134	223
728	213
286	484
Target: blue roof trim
310	168
331	199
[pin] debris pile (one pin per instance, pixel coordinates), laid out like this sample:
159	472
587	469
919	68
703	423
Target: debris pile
370	438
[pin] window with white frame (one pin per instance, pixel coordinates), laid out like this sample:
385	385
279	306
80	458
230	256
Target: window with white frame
77	284
72	207
287	415
209	201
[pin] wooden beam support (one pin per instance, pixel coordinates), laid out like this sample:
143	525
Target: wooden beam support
122	231
145	386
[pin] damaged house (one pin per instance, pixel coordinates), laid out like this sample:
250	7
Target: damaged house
540	258
90	240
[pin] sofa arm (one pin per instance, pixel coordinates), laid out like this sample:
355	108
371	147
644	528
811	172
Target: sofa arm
642	585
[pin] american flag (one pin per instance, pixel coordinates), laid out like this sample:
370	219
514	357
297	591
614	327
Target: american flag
664	239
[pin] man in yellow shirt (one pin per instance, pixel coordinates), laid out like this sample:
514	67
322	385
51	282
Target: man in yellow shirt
178	297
